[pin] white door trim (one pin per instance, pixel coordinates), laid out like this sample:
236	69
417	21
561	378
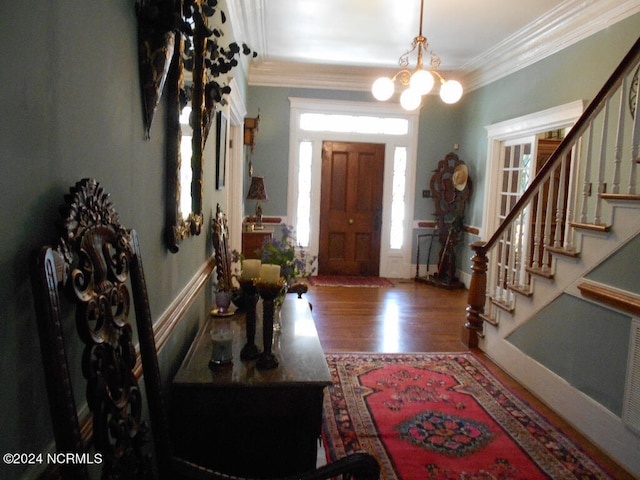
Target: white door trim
393	263
554	118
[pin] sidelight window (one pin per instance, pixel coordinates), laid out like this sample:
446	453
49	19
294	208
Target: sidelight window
398	197
303	216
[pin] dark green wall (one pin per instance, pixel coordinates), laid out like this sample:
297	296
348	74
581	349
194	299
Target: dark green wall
70	108
587	347
587	344
609	272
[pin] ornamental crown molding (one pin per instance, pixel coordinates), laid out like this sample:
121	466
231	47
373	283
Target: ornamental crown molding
561	27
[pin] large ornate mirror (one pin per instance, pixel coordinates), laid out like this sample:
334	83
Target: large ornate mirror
194	89
184	147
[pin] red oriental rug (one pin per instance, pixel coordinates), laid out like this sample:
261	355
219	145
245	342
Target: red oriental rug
442	416
348	281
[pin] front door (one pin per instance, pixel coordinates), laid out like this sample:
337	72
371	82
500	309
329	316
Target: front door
351	208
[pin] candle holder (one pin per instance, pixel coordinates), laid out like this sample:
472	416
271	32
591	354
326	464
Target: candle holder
250	351
268	292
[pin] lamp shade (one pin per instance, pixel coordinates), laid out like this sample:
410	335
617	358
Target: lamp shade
257	190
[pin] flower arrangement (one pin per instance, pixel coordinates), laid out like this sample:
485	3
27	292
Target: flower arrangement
294	261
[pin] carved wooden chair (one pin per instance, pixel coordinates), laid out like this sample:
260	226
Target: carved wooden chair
97	264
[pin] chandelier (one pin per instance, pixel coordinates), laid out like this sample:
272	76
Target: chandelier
421	80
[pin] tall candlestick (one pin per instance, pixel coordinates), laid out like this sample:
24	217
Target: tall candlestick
250	269
250	350
269	273
268	291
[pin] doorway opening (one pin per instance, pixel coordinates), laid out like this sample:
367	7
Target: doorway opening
518	148
314	122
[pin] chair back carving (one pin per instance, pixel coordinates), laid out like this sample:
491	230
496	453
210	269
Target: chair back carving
96	264
220	239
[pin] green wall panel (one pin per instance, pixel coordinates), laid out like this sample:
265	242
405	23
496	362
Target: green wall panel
585	344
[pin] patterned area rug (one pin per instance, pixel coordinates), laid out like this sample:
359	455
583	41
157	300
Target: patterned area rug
348	281
442	416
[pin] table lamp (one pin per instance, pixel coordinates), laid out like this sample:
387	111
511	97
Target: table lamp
257	192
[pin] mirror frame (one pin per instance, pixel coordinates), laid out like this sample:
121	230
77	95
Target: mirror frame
207	55
178	228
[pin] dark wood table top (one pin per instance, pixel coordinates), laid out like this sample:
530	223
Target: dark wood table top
296	345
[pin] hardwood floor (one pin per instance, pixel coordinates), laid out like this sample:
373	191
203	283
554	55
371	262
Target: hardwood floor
411	317
414	317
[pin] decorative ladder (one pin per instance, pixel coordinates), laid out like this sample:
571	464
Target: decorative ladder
547	219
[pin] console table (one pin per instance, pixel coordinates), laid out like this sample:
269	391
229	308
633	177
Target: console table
249	422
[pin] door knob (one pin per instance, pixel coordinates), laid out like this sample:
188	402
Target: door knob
351	221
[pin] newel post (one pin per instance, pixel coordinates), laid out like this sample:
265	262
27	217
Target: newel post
477	295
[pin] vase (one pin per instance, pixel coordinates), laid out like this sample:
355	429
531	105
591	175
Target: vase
221	342
277	317
277	309
223	301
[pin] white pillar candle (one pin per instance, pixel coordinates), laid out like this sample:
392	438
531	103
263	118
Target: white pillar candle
270	273
250	269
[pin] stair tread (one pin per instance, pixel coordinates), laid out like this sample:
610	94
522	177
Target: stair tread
502	305
563	251
621	196
491	320
541	272
594	227
522	289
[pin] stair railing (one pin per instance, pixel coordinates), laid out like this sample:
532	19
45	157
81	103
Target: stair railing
560	200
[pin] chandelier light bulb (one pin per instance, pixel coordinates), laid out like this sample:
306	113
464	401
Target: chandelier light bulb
410	99
421	82
383	88
451	91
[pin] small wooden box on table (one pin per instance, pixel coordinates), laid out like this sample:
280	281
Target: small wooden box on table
254	240
251	422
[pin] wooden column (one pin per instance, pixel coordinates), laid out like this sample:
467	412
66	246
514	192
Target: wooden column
476	296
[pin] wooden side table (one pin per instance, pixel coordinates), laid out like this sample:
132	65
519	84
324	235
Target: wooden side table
253	241
249	422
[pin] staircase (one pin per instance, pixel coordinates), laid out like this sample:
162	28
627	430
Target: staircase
581	208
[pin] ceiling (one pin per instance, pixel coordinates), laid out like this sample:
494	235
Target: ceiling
346	44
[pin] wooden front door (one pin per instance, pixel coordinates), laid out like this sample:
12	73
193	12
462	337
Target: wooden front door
351	208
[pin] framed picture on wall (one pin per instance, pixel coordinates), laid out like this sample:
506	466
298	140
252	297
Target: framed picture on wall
221	149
